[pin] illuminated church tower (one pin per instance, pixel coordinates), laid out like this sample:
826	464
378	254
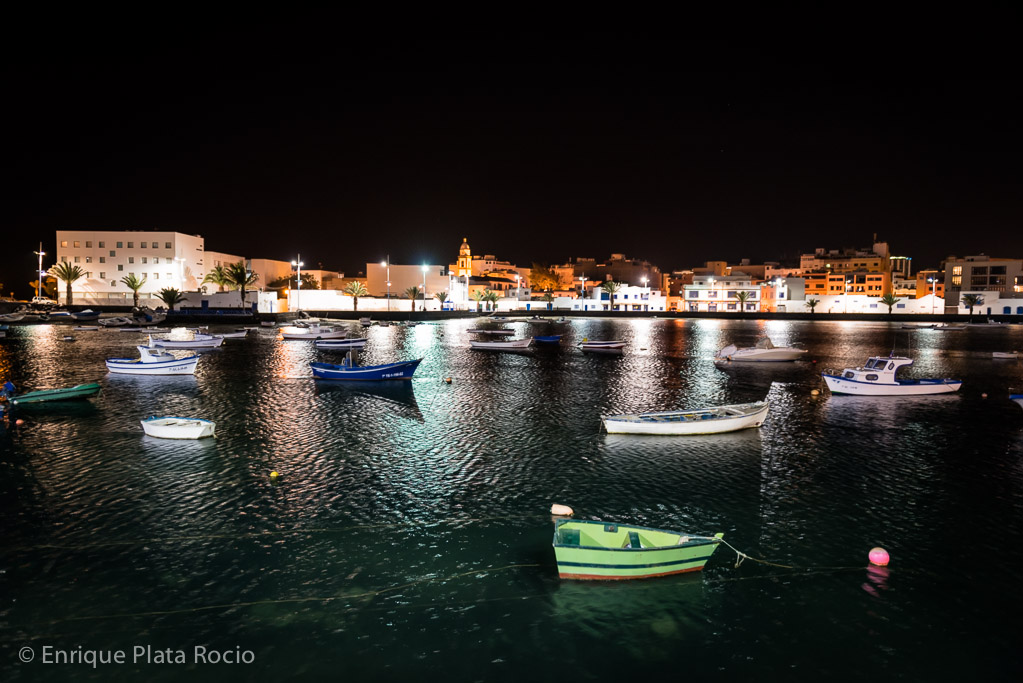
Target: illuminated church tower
464	260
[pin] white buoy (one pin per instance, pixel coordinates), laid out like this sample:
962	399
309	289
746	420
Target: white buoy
561	510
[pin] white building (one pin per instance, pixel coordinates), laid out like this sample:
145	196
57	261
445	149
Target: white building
164	259
627	298
720	293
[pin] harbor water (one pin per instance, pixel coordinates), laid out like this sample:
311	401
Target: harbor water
408	536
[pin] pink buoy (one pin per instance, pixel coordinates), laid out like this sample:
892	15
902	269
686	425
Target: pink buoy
879	556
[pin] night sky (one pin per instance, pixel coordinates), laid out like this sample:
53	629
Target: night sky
535	149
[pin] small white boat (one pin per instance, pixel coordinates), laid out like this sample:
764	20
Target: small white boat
681	422
313	332
85	328
340	344
492	333
763	352
113	322
232	335
499	345
877	377
153	361
1004	355
950	328
588	345
200	341
178	427
11	317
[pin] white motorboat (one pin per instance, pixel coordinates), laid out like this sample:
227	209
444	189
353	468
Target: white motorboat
1004	355
313	332
178	427
764	351
340	344
153	361
502	345
877	377
232	335
199	341
588	345
492	333
681	422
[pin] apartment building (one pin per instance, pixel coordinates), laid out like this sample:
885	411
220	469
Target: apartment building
736	292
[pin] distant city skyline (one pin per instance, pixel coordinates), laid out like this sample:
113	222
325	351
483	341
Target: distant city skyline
536	150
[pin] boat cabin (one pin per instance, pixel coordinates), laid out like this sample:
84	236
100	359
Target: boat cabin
878	369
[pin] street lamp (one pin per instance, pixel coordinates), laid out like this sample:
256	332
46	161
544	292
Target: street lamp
517	278
848	285
39	276
582	287
387	264
297	263
424	288
934	284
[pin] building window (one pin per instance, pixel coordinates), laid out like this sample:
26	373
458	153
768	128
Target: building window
88	275
88	259
102	259
63	243
693	294
156	276
712	294
131	245
143	245
957	280
166	245
77	259
144	259
957	270
156	245
113	253
103	275
156	259
119	245
102	245
731	307
88	244
120	266
77	244
900	305
131	259
63	259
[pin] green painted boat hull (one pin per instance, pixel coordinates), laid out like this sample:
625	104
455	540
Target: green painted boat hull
600	551
68	394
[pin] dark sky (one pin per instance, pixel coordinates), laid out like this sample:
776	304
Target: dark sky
274	143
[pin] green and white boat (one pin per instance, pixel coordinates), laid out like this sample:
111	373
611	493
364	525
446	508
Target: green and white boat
601	551
67	394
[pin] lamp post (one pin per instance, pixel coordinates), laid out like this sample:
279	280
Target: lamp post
848	284
424	288
934	285
39	275
297	263
387	264
582	287
517	278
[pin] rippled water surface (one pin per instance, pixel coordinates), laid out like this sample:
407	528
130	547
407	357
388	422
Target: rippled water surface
409	535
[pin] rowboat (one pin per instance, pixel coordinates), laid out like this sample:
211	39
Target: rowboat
552	339
588	345
597	550
763	351
178	427
86	315
46	395
349	371
114	322
200	341
313	332
494	333
495	345
85	328
153	361
877	377
680	422
11	317
241	334
1004	355
340	344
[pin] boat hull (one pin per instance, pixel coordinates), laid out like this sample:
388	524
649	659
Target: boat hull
340	344
129	366
178	428
606	552
922	387
193	344
683	423
369	373
778	355
516	345
81	391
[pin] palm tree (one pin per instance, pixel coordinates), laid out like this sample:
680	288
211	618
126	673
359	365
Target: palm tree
170	296
441	297
890	300
969	300
413	293
219	277
355	289
742	297
478	297
812	304
549	298
132	282
239	276
68	273
491	298
611	287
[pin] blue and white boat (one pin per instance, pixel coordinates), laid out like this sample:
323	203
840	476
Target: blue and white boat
550	339
87	314
153	361
348	370
877	377
1018	398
